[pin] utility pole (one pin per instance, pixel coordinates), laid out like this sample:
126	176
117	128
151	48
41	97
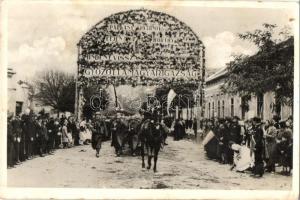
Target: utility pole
76	106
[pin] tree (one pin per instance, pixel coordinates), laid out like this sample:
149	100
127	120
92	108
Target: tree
55	89
31	91
271	69
94	100
67	97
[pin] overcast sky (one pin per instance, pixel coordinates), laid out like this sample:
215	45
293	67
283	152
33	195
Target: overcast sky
43	35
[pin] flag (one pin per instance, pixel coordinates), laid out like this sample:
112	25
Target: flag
208	137
171	96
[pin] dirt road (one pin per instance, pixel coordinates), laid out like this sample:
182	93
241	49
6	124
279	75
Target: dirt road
181	164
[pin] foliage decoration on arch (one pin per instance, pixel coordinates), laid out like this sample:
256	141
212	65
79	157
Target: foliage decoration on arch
140	47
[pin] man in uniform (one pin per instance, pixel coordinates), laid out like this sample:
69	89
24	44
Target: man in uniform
151	112
145	111
99	129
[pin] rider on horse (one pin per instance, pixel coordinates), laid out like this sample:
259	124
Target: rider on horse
150	113
151	134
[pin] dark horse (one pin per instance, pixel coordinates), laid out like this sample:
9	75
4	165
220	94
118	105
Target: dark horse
151	137
132	136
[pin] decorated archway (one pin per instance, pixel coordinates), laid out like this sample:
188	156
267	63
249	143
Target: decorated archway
139	47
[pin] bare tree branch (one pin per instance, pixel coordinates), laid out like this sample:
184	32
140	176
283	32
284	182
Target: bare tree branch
50	88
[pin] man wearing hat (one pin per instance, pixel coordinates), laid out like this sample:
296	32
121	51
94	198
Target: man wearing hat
285	147
10	143
258	134
222	135
17	130
30	137
234	135
24	137
150	112
235	130
145	111
286	152
50	127
99	130
276	119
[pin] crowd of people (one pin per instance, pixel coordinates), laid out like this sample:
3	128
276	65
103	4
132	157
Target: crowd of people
250	145
30	135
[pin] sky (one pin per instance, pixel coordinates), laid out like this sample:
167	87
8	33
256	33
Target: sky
43	35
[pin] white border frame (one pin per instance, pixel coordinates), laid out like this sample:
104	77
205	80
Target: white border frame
81	193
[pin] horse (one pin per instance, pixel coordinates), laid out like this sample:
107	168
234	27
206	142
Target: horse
132	137
151	137
119	131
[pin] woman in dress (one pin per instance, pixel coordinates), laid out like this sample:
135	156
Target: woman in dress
65	138
271	155
88	132
81	135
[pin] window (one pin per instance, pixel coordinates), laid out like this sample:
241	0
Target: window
213	109
277	107
19	106
232	107
260	105
223	109
244	106
208	110
219	109
201	99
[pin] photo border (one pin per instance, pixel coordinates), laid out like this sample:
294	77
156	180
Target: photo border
84	193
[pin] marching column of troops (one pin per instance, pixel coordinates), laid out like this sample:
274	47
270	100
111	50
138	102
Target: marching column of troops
269	142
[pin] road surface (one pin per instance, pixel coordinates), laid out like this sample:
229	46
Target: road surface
181	165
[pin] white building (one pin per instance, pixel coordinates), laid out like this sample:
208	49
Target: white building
18	94
218	104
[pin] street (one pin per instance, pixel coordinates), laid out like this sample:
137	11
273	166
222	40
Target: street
181	165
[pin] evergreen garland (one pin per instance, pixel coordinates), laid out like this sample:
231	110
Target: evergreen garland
139	43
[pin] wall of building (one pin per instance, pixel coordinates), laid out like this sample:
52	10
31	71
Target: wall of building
220	105
17	93
11	92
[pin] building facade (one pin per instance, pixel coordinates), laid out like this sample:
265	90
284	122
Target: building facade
219	104
18	94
